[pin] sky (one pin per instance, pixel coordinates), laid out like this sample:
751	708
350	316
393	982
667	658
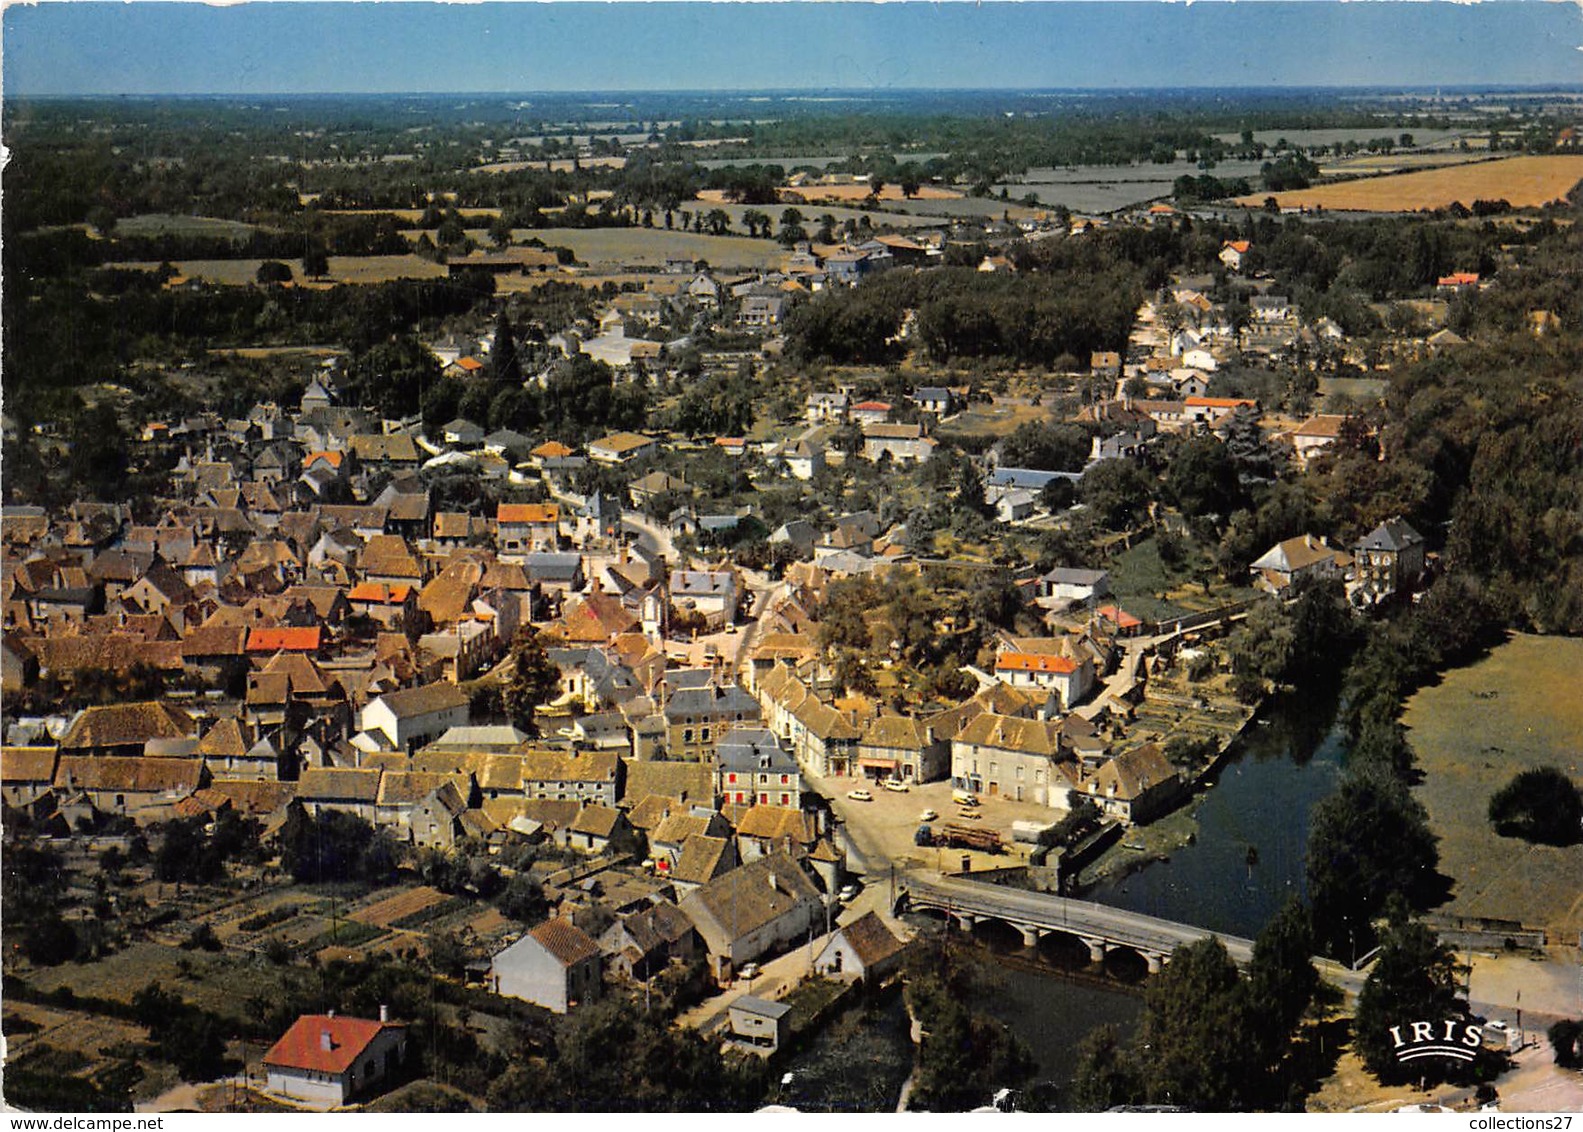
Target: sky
309	46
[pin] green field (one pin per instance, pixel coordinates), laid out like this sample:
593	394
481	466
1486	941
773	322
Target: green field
163	224
1518	708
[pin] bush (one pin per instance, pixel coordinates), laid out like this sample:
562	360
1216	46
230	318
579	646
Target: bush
1541	806
1566	1038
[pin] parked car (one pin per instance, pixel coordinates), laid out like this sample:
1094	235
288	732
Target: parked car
896	785
928	815
847	894
964	797
749	971
860	795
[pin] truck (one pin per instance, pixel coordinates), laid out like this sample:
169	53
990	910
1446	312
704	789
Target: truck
969	837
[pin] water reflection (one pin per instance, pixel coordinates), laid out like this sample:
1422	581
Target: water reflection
1248	856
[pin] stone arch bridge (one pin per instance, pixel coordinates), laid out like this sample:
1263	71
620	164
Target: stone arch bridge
1038	914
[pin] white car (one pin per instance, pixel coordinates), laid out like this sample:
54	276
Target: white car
895	785
860	795
847	894
749	971
928	815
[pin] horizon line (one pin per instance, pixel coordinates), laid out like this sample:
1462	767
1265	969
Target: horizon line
1500	86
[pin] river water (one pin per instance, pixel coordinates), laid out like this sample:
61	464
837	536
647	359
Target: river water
1286	760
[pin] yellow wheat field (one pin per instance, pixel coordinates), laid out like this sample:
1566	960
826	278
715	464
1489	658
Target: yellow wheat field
1525	182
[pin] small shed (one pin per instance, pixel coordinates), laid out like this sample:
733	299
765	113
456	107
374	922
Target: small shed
760	1025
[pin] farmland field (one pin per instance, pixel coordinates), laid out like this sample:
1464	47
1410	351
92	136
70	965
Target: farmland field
1516	709
383	913
604	246
815	194
343	269
1399	162
163	224
1362	136
1526	182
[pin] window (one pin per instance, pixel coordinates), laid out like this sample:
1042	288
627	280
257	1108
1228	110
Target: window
785	779
1019	773
785	799
740	797
731	778
764	799
687	735
705	737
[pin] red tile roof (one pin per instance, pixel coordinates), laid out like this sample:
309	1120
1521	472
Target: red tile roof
302	1046
1120	617
380	592
1221	402
289	640
528	513
1034	662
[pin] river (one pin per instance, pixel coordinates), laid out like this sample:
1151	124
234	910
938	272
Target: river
1286	760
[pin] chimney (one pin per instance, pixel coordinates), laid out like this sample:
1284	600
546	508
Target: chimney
384	1012
326	1043
773	886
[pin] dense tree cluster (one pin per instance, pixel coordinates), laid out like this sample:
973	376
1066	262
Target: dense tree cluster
1213	1039
964	1057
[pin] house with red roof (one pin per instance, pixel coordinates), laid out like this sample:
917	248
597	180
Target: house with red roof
524	528
326	1060
556	965
1213	410
267	641
872	412
1234	252
1065	668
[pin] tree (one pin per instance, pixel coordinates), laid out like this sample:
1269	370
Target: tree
1202	478
1118	493
1415	978
756	222
273	271
1047	447
522	899
1107	1073
1566	1039
1282	981
503	355
534	680
500	230
1195	1023
1367	842
100	452
1540	805
316	261
393	375
335	846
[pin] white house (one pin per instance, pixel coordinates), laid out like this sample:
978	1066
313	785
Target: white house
864	949
411	717
711	593
325	1060
555	965
804	460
